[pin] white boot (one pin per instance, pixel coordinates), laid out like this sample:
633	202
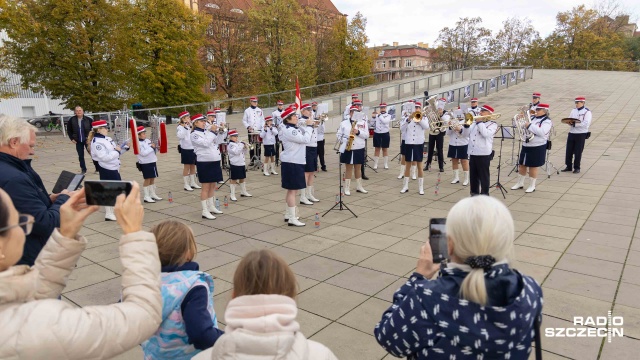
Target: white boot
466	178
386	162
414	171
154	196
265	169
303	197
310	195
293	220
243	190
456	178
375	163
519	184
347	183
273	168
108	214
287	215
421	186
205	210
532	186
186	183
359	187
232	196
194	183
402	169
212	206
405	186
147	197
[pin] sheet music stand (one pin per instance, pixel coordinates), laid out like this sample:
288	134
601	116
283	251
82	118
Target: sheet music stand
503	134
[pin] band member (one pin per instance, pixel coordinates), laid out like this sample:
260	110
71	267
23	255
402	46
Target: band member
481	151
320	134
294	141
474	109
403	132
222	145
436	137
237	151
253	120
205	144
187	155
381	137
147	159
277	120
311	166
458	134
578	133
268	134
107	154
535	101
354	156
358	105
347	108
534	151
414	143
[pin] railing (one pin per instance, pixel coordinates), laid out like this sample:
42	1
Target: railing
578	64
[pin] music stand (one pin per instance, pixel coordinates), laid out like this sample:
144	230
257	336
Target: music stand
504	134
343	206
255	160
515	164
548	165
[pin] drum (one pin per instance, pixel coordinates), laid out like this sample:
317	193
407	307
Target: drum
371	132
223	148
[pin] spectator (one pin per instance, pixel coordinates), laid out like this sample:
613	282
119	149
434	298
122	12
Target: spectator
261	317
478	307
36	325
189	323
24	186
78	129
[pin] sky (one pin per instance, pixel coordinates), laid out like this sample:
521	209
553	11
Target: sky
413	21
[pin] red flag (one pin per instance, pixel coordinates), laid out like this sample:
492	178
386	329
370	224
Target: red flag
298	97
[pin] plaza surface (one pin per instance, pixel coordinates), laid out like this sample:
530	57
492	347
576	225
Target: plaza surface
577	234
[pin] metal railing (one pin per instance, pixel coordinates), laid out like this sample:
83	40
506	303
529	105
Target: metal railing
577	64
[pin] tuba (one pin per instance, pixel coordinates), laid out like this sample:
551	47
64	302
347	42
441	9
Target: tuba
519	121
436	126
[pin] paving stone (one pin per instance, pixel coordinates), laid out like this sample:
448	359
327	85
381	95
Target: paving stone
319	268
366	316
347	343
349	253
329	301
590	266
390	263
574	348
365	281
585	285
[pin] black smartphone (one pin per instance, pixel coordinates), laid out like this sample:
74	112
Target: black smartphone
105	192
438	239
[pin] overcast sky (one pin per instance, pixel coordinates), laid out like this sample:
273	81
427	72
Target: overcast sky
411	21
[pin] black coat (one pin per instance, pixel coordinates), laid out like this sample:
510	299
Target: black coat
73	128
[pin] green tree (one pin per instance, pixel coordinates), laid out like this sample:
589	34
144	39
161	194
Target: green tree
357	58
465	44
512	41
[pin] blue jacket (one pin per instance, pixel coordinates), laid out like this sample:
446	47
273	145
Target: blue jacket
429	320
29	196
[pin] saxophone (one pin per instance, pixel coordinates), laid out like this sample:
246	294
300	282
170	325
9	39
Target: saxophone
351	137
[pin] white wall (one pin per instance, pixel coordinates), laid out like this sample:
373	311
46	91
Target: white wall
14	107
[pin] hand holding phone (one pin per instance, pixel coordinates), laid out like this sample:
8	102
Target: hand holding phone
438	240
129	210
105	192
426	267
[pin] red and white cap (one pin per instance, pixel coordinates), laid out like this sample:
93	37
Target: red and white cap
197	117
268	118
211	113
411	101
383	105
354	96
486	107
99	123
357	102
580	98
141	129
418	104
253	98
536	94
280	102
353	108
217	110
474	99
183	114
233	132
443	100
542	106
314	103
305	106
288	112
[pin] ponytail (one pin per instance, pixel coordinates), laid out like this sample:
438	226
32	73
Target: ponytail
89	139
473	287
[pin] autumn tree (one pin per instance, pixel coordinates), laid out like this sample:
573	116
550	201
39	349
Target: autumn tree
357	58
512	42
463	45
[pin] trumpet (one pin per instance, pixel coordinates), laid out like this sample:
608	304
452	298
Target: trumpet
222	128
469	119
250	146
416	116
320	120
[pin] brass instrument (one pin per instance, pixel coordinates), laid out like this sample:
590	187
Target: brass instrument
351	137
416	116
321	119
469	119
520	120
247	146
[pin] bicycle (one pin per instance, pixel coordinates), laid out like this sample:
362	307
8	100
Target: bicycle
53	125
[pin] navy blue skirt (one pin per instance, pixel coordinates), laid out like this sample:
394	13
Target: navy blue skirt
533	156
312	159
188	157
109	174
149	171
402	147
381	140
292	176
458	152
208	171
355	157
238	172
413	152
269	150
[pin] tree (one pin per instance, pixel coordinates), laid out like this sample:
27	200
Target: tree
463	45
512	41
357	58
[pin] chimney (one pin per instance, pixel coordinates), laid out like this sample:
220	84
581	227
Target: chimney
395	43
423	45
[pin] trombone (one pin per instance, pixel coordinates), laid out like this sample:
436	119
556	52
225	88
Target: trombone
469	119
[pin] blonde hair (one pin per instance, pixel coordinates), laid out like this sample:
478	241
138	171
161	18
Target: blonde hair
480	225
176	243
13	127
264	272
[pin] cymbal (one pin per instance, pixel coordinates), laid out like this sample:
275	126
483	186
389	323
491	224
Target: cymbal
570	121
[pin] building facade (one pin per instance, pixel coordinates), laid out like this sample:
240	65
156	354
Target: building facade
405	60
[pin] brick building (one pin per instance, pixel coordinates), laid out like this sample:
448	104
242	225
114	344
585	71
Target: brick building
405	60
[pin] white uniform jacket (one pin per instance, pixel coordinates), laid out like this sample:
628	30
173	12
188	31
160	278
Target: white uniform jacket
414	131
294	141
205	144
320	132
253	118
277	118
382	123
481	137
269	135
314	134
184	134
103	150
237	152
474	111
540	127
345	130
347	109
147	154
584	115
461	137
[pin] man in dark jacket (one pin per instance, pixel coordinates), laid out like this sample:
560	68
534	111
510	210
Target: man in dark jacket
78	130
24	186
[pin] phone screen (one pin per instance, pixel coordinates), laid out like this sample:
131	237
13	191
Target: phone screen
105	192
438	239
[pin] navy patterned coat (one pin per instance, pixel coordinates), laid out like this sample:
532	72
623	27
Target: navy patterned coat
429	320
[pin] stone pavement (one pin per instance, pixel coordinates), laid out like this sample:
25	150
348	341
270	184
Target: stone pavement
577	234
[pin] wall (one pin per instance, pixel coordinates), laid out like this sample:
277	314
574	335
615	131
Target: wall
42	106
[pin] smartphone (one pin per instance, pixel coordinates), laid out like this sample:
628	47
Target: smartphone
438	239
105	192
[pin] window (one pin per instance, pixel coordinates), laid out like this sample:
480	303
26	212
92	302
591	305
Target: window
408	63
381	53
210	56
212	6
225	30
382	64
212	83
392	64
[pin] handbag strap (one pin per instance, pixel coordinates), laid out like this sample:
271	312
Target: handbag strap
538	343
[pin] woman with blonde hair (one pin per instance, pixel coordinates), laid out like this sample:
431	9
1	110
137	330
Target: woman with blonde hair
261	317
478	306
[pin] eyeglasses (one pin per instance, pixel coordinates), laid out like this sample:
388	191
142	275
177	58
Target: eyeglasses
24	221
